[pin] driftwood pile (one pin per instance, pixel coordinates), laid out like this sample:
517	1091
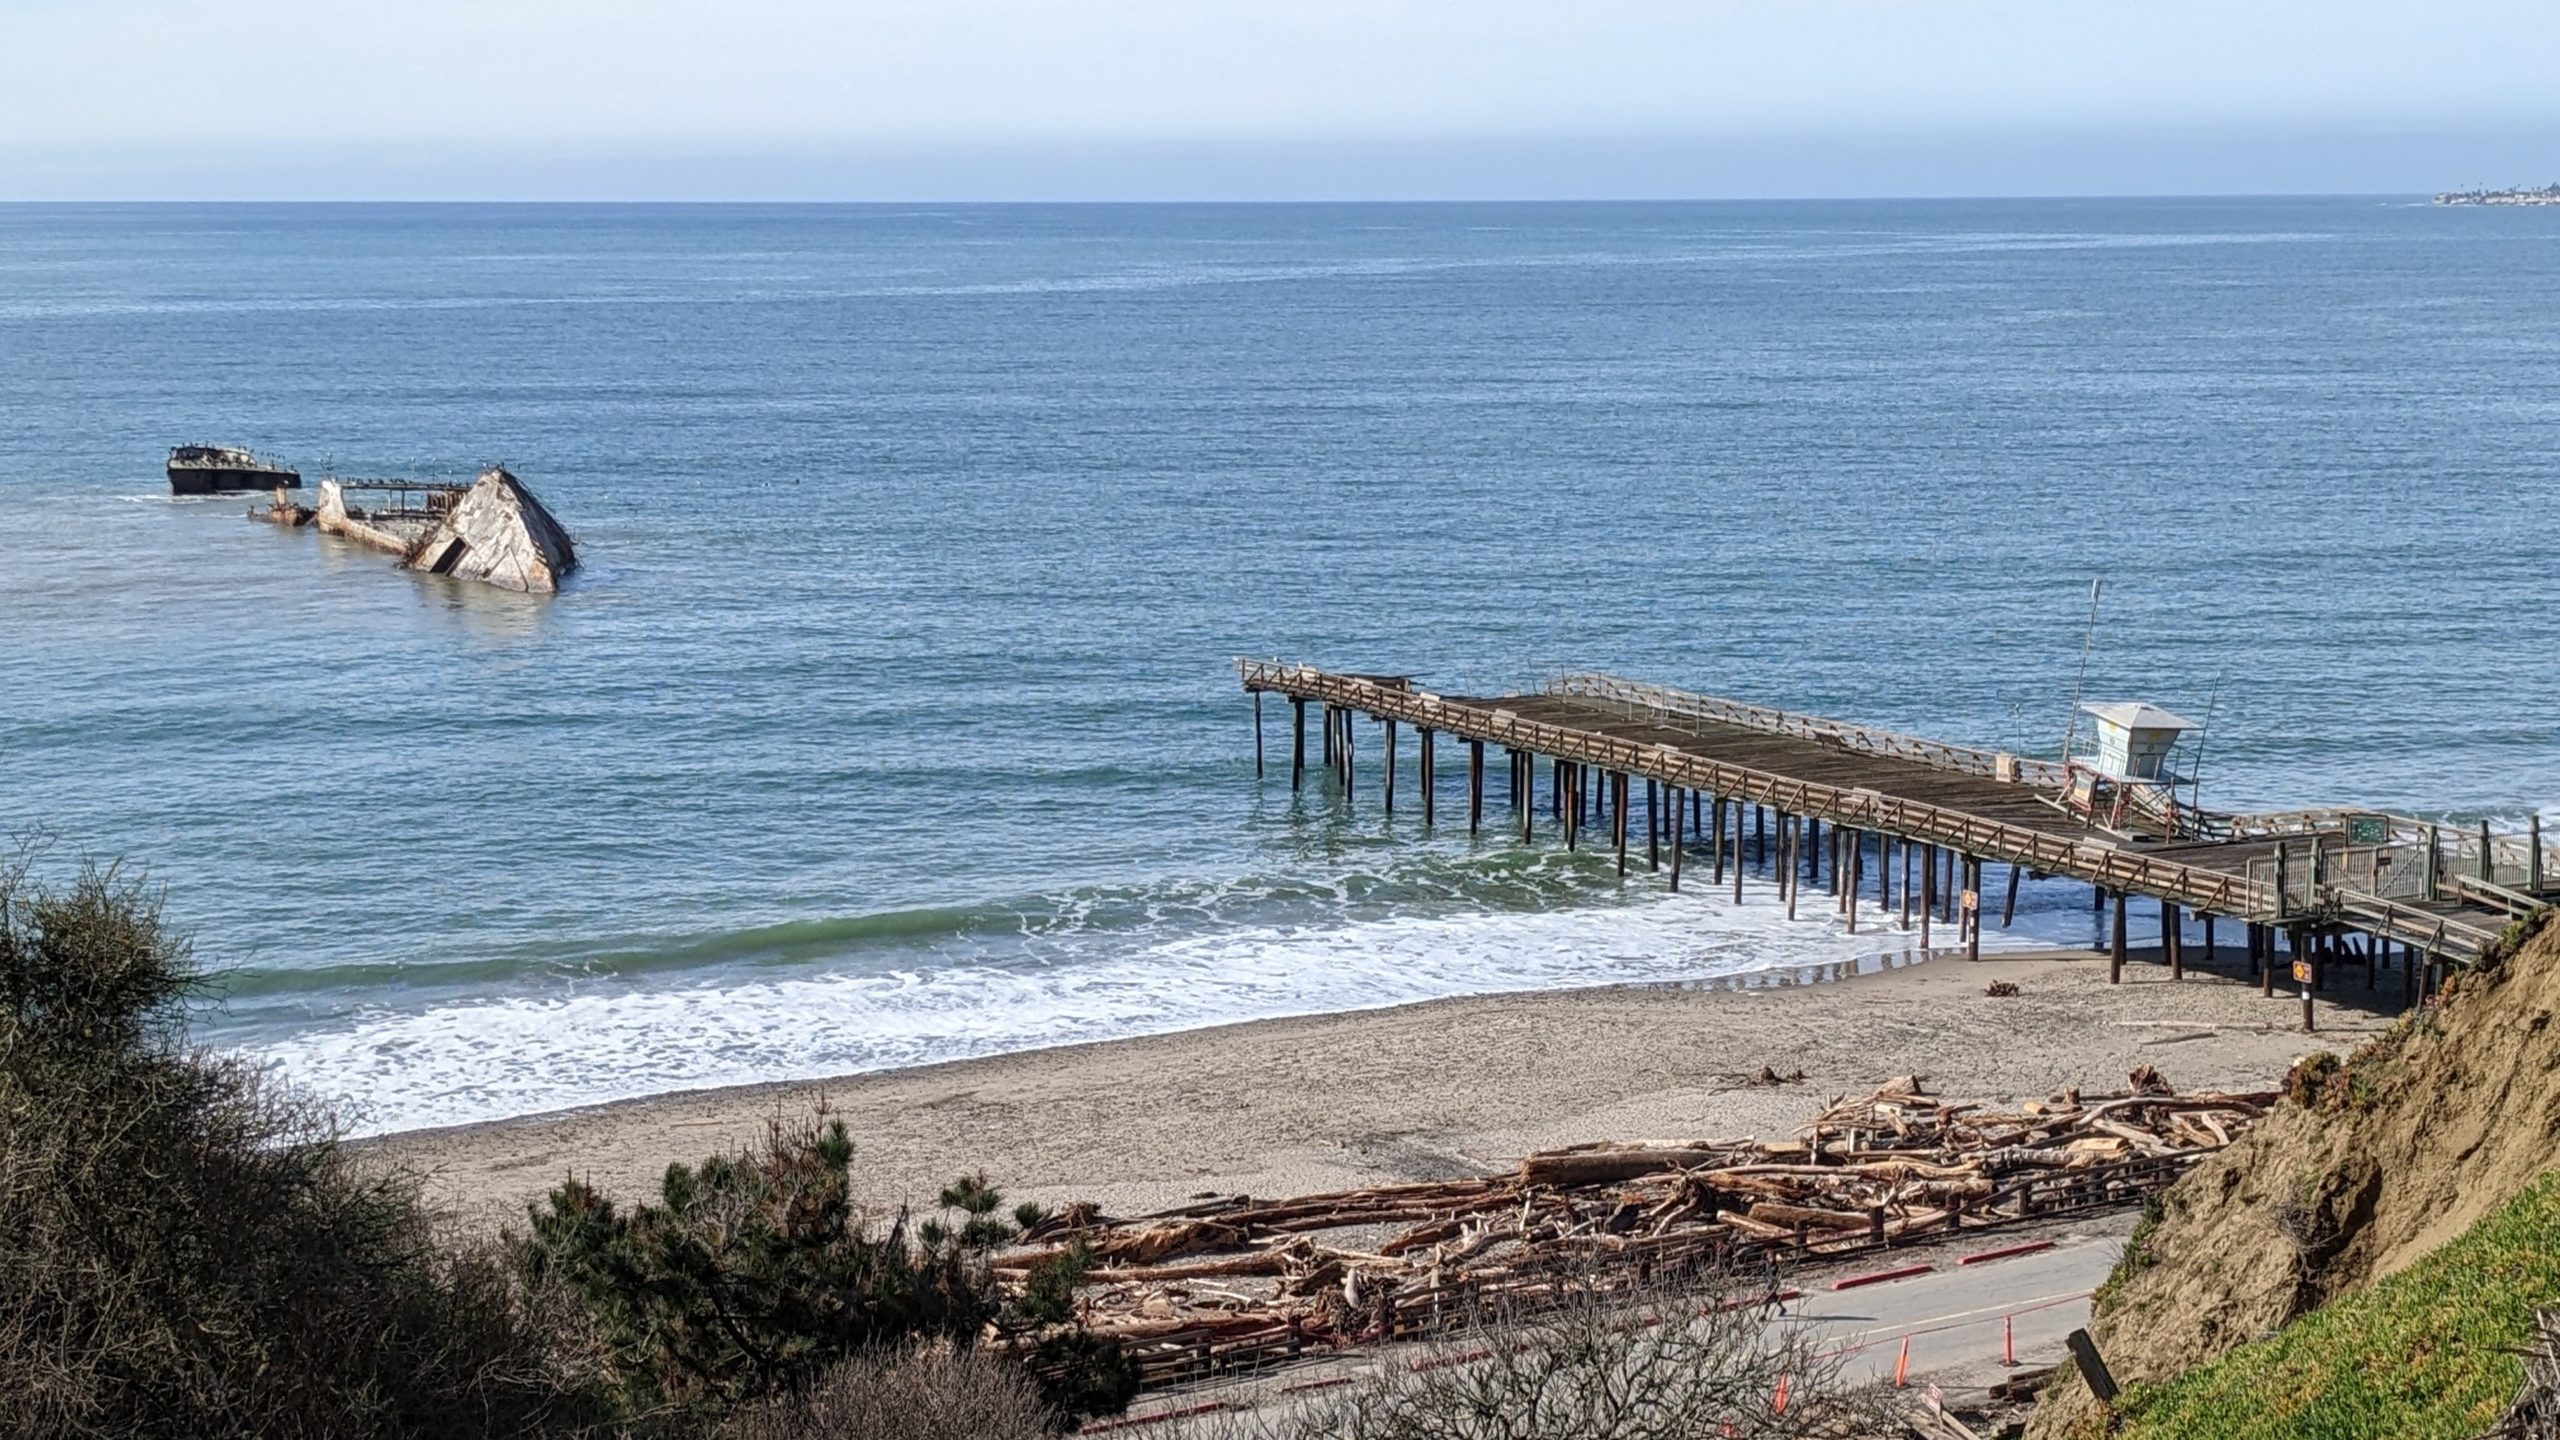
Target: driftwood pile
1338	1266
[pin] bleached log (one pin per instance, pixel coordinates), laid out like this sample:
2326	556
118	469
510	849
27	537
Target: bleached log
1773	1213
1601	1167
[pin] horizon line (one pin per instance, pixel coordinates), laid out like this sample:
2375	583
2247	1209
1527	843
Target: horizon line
1238	202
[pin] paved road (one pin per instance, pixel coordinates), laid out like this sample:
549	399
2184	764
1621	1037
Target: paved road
1952	1315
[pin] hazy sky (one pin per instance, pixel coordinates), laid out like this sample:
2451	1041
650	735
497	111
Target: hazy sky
1143	98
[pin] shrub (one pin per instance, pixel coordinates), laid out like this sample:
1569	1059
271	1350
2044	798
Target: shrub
2310	1077
1082	1375
753	1275
924	1392
750	1275
186	1249
2515	936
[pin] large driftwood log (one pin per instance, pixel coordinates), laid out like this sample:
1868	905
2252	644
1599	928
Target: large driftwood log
1771	1212
1570	1168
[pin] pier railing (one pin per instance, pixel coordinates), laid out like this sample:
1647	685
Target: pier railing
1668	707
2206	891
2420	866
2382	885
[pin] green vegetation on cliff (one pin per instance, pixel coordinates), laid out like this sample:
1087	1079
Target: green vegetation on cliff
2429	1352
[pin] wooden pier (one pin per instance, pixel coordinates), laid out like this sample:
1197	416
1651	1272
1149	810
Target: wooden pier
1912	824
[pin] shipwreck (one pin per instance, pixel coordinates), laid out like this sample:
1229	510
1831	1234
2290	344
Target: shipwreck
492	530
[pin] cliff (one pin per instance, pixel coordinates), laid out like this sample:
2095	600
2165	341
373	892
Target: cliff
2409	1144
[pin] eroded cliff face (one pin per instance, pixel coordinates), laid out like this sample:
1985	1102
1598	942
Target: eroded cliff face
2414	1139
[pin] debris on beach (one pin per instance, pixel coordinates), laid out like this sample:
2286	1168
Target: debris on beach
1236	1283
492	530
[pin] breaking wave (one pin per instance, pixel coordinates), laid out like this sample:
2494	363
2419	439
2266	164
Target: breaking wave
863	994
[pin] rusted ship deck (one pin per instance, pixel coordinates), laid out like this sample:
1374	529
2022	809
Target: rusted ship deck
2320	885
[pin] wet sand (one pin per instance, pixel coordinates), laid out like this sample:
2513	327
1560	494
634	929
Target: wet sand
1445	1088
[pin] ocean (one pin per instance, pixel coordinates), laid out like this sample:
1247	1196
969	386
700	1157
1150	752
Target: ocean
893	717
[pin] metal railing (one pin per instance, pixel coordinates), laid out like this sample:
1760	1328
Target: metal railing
2381	888
2420	861
1666	703
2504	858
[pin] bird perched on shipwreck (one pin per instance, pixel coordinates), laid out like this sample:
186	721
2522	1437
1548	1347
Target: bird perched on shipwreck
492	530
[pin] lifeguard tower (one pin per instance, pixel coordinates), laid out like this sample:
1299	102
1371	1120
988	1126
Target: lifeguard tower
2127	784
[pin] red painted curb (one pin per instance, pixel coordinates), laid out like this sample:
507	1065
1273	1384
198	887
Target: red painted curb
1436	1362
2004	1253
1881	1276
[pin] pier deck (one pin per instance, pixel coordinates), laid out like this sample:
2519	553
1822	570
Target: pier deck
2443	895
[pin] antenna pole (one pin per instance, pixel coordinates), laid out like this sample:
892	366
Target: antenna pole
2071	729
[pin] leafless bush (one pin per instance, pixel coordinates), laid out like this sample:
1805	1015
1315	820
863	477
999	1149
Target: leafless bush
1580	1362
2536	1413
926	1392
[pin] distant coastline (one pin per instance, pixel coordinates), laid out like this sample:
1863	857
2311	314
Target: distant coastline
2513	195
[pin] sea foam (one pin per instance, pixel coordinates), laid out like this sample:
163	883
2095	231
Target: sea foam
464	1062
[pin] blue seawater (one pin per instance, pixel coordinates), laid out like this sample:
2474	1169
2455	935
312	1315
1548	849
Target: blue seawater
892	718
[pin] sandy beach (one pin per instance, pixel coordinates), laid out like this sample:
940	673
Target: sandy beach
1451	1087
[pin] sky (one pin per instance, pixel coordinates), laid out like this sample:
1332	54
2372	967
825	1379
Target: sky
1278	99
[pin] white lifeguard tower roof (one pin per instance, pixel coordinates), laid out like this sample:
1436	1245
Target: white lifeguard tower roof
2134	740
2135	715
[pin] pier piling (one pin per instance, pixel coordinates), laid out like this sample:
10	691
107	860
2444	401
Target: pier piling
1475	786
1297	741
1390	794
1430	782
1618	817
1679	842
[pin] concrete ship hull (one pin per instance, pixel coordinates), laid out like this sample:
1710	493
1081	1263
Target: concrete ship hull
227	480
